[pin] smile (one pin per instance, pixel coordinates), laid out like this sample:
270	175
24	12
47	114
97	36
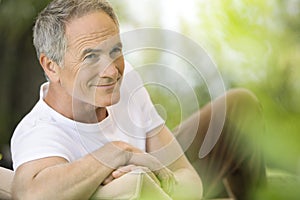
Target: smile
107	86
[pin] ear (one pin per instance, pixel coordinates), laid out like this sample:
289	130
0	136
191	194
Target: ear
50	68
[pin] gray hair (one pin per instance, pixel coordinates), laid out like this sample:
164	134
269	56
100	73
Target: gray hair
49	30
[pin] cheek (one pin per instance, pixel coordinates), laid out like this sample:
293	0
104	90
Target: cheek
84	76
104	98
69	73
121	64
76	83
66	79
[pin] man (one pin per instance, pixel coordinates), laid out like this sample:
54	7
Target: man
88	129
76	137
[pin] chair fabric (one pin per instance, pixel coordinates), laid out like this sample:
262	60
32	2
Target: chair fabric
6	177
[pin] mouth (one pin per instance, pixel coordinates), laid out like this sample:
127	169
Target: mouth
108	85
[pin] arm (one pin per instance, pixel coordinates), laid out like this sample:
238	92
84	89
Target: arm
162	144
56	178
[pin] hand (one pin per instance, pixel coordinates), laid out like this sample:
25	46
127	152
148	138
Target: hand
126	169
164	175
125	154
167	179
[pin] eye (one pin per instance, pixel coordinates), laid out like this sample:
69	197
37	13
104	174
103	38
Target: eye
91	57
116	52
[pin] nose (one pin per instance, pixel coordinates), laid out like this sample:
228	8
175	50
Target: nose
110	71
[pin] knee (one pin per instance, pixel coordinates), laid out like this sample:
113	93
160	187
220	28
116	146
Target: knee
242	100
241	95
244	111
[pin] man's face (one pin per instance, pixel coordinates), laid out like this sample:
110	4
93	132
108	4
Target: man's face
93	63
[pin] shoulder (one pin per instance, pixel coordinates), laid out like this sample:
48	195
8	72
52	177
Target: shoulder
38	137
38	127
37	116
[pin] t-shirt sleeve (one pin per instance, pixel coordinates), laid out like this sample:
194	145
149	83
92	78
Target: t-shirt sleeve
39	142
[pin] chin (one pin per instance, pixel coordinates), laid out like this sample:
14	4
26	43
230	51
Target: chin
109	101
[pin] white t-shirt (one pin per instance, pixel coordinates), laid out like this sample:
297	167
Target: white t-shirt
44	132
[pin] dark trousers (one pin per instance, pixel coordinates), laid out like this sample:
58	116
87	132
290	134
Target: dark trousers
231	160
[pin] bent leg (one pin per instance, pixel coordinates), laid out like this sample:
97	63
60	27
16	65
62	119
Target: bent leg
236	157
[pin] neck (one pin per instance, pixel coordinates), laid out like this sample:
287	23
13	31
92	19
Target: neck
63	103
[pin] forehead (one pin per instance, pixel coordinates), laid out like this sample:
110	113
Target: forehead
94	27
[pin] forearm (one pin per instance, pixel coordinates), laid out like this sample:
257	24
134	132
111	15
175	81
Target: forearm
189	185
76	180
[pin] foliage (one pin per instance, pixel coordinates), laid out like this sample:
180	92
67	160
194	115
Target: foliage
256	45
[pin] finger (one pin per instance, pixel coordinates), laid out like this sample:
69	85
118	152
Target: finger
109	179
123	170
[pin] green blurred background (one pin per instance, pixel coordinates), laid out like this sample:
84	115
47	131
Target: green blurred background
255	44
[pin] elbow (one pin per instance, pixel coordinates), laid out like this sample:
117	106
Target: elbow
16	191
18	194
24	192
26	195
